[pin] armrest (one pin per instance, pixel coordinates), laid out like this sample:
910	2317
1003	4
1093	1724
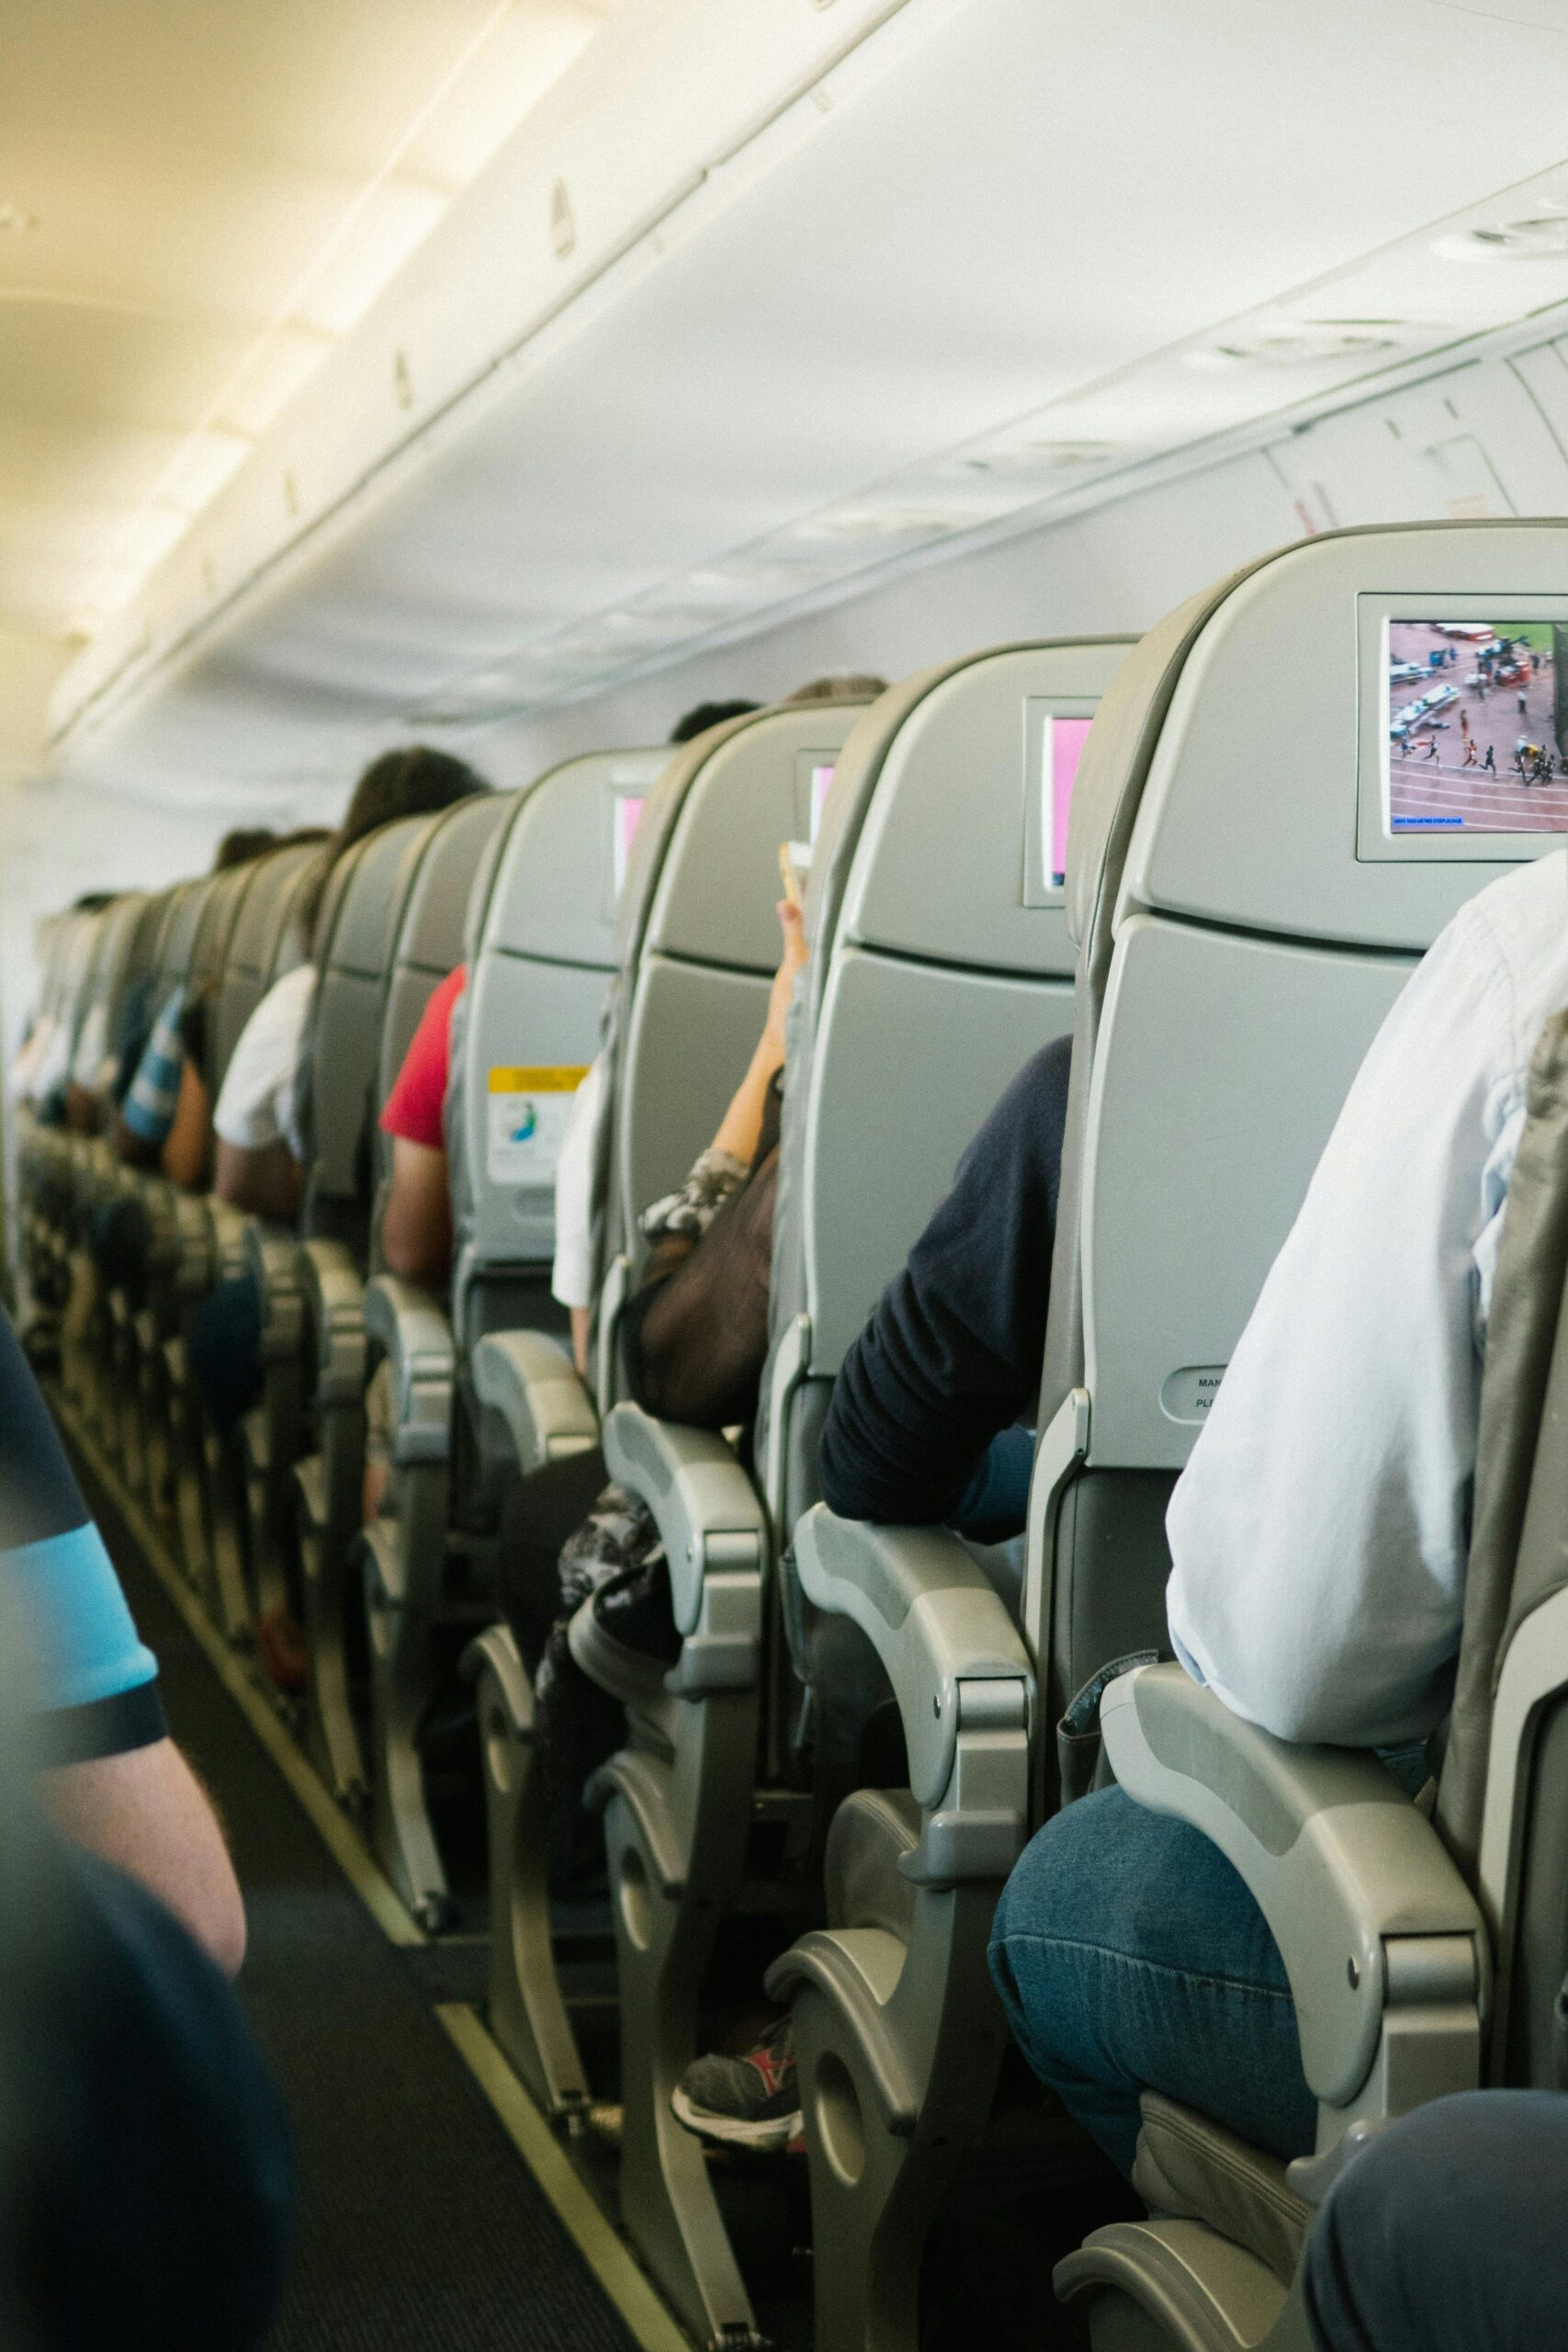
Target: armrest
530	1380
933	1621
707	1511
409	1328
1366	1906
611	1298
227	1225
334	1299
269	1254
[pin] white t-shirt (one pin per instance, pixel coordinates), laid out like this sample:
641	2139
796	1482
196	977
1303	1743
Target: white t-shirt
571	1277
255	1103
92	1047
1319	1533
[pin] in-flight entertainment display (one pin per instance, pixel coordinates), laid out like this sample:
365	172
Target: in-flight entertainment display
1062	749
822	772
1472	728
625	816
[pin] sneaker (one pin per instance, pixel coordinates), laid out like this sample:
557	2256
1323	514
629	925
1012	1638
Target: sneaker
624	1635
748	2102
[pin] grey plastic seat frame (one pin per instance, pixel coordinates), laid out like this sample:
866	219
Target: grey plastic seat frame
323	1452
932	914
542	960
534	999
698	944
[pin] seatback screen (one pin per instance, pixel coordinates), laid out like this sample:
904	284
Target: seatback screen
1063	749
625	816
822	774
1476	726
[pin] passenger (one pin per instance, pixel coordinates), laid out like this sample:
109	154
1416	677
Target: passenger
260	1156
1445	2234
704	715
114	1781
162	1117
138	1137
41	1072
1318	1538
416	1222
158	2180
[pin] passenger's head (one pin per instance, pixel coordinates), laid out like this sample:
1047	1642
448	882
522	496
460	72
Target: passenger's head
840	685
704	715
92	902
304	836
415	782
241	844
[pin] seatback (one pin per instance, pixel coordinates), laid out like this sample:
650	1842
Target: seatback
267	940
698	943
341	1061
431	928
940	961
112	955
541	954
1252	874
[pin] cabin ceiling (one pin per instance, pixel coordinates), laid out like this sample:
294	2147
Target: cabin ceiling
198	199
838	287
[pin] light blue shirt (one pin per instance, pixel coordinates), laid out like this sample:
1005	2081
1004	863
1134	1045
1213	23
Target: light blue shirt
1320	1531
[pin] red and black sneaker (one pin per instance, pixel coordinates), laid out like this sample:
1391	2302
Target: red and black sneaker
748	2102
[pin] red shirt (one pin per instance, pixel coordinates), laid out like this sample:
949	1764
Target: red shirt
418	1097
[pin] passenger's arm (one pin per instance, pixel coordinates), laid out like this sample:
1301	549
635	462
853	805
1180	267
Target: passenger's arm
268	1181
112	1777
146	1812
187	1149
416	1224
741	1125
950	1355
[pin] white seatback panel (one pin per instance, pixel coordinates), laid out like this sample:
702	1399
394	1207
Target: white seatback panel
1233	1057
914	1056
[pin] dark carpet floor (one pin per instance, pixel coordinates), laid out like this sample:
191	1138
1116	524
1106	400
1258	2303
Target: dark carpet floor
422	2230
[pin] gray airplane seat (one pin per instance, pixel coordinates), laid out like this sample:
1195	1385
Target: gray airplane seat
542	956
941	963
417	868
695	942
1256	864
392	934
268	940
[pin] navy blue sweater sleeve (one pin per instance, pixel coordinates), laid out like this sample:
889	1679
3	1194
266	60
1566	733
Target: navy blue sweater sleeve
952	1353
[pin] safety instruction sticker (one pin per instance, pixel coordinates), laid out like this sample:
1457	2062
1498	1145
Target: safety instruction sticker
528	1110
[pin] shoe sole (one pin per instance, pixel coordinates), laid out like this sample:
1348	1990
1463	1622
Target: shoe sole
626	1674
775	2132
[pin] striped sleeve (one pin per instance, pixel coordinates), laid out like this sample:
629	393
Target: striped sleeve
149	1108
95	1684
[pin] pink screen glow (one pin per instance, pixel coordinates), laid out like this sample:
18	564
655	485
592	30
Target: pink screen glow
821	782
629	815
1065	742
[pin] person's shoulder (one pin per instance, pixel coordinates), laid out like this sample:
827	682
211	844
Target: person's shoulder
1517	930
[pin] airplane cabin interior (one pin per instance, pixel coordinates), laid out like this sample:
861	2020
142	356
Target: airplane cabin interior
783	1306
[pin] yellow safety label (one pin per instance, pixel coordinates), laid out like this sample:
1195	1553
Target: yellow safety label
563	1078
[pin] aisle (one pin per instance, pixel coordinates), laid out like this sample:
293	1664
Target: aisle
421	2229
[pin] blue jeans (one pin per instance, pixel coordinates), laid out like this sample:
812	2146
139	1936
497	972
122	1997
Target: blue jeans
1447	2234
1130	1957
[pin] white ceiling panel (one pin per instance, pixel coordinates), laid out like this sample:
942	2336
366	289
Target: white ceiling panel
1136	228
